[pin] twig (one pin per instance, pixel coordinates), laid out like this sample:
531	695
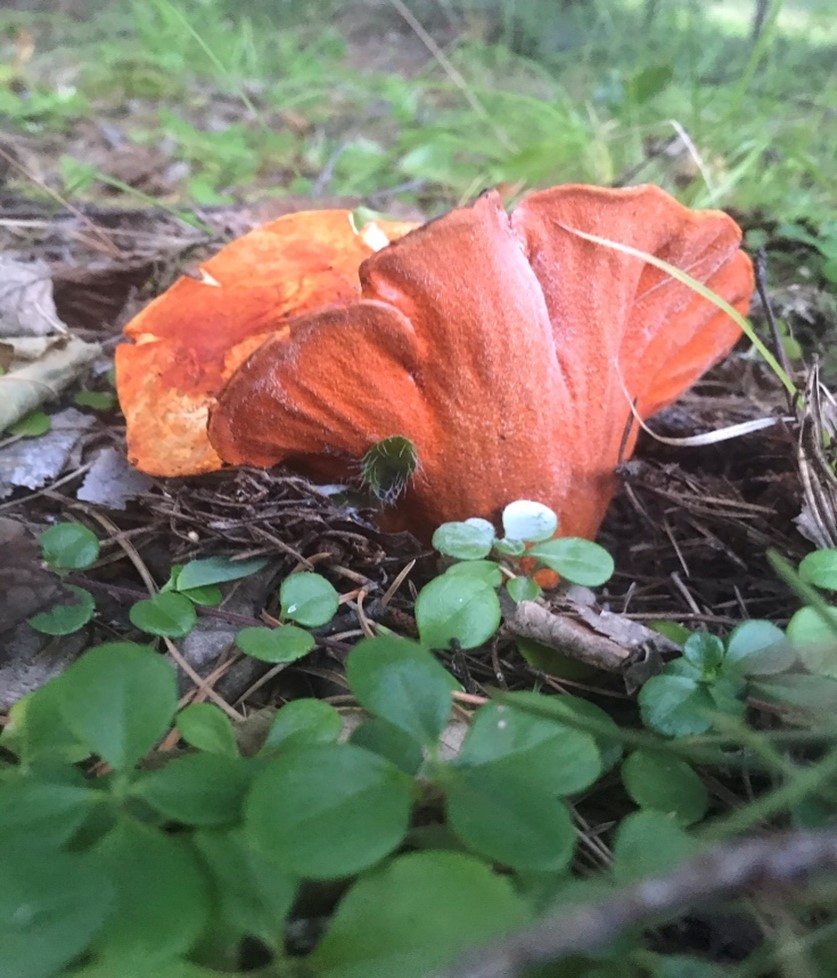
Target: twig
119	538
107	244
365	625
201	685
528	619
760	269
719	873
402	575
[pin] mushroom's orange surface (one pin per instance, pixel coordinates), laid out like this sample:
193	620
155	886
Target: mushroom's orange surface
507	348
189	341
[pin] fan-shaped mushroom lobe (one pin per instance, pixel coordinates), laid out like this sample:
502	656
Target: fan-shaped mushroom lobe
624	330
190	340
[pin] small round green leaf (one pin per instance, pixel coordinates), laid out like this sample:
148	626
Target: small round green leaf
704	651
663	782
389	741
529	521
69	546
571	710
304	721
308	599
646	82
197	789
162	900
45	812
508	547
468	540
649	843
820	568
673	631
254	896
285	644
487	571
464	609
758	648
576	560
206	727
52	904
522	746
815	641
416	914
402	683
328	810
676	706
523	589
509	820
63	619
682	667
32	426
216	570
98	400
36	731
167	613
208	595
119	700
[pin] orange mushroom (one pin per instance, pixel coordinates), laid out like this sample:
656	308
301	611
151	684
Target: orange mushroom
502	347
189	341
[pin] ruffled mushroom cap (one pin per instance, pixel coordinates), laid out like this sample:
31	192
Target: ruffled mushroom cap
502	346
190	340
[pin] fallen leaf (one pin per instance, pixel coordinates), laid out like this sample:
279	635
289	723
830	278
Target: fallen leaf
111	481
26	304
35	377
32	462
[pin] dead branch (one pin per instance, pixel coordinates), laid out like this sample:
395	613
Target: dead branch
560	632
586	633
721	872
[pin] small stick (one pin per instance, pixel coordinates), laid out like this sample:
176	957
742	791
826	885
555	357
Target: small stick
719	873
760	268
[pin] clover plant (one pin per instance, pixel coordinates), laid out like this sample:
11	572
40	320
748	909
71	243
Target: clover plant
67	547
180	862
462	604
813	629
712	676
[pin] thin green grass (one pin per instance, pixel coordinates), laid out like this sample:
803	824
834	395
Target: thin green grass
595	92
700	289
